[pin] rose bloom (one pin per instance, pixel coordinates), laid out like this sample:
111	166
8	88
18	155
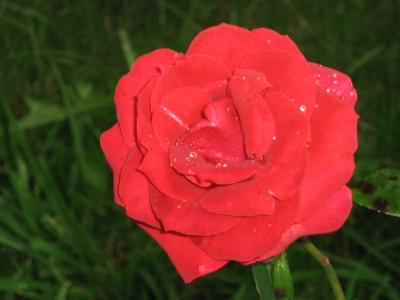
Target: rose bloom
232	151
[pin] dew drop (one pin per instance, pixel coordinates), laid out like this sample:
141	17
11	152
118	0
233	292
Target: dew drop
303	108
202	269
334	75
224	165
269	225
178	206
316	105
218	165
335	82
351	94
274	137
271	193
328	90
193	154
268	41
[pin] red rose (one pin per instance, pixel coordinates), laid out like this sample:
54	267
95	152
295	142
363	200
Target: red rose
233	150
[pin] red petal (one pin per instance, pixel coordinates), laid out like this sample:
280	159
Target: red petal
286	180
177	111
115	151
329	217
255	117
195	70
187	162
143	107
292	130
315	190
216	89
256	80
134	191
131	84
332	126
189	260
276	40
188	217
247	198
157	168
288	72
251	237
334	81
228	43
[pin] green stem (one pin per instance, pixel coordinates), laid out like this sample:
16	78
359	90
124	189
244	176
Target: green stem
262	278
325	263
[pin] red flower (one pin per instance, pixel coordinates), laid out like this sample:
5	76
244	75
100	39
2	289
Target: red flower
233	150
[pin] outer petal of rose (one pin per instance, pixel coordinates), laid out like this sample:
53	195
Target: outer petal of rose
292	130
288	72
329	217
286	180
353	145
115	151
228	43
195	70
256	80
134	191
251	237
247	199
143	107
227	173
332	126
189	260
255	117
177	111
276	40
315	190
337	82
156	167
188	217
144	68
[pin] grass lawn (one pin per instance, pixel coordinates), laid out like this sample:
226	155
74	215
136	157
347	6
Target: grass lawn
62	237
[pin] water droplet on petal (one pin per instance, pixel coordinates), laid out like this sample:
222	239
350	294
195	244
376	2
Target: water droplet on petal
274	137
328	90
334	74
335	82
193	154
271	193
202	269
224	165
178	206
303	108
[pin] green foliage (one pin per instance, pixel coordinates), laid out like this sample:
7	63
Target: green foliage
62	237
380	191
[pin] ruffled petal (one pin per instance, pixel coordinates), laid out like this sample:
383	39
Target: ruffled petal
292	130
115	151
134	191
228	43
131	84
332	126
287	179
177	111
186	162
156	167
315	190
255	117
251	237
276	40
195	70
189	260
188	217
247	199
334	82
256	80
288	72
329	217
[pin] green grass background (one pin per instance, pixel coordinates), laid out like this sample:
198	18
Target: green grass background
61	236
